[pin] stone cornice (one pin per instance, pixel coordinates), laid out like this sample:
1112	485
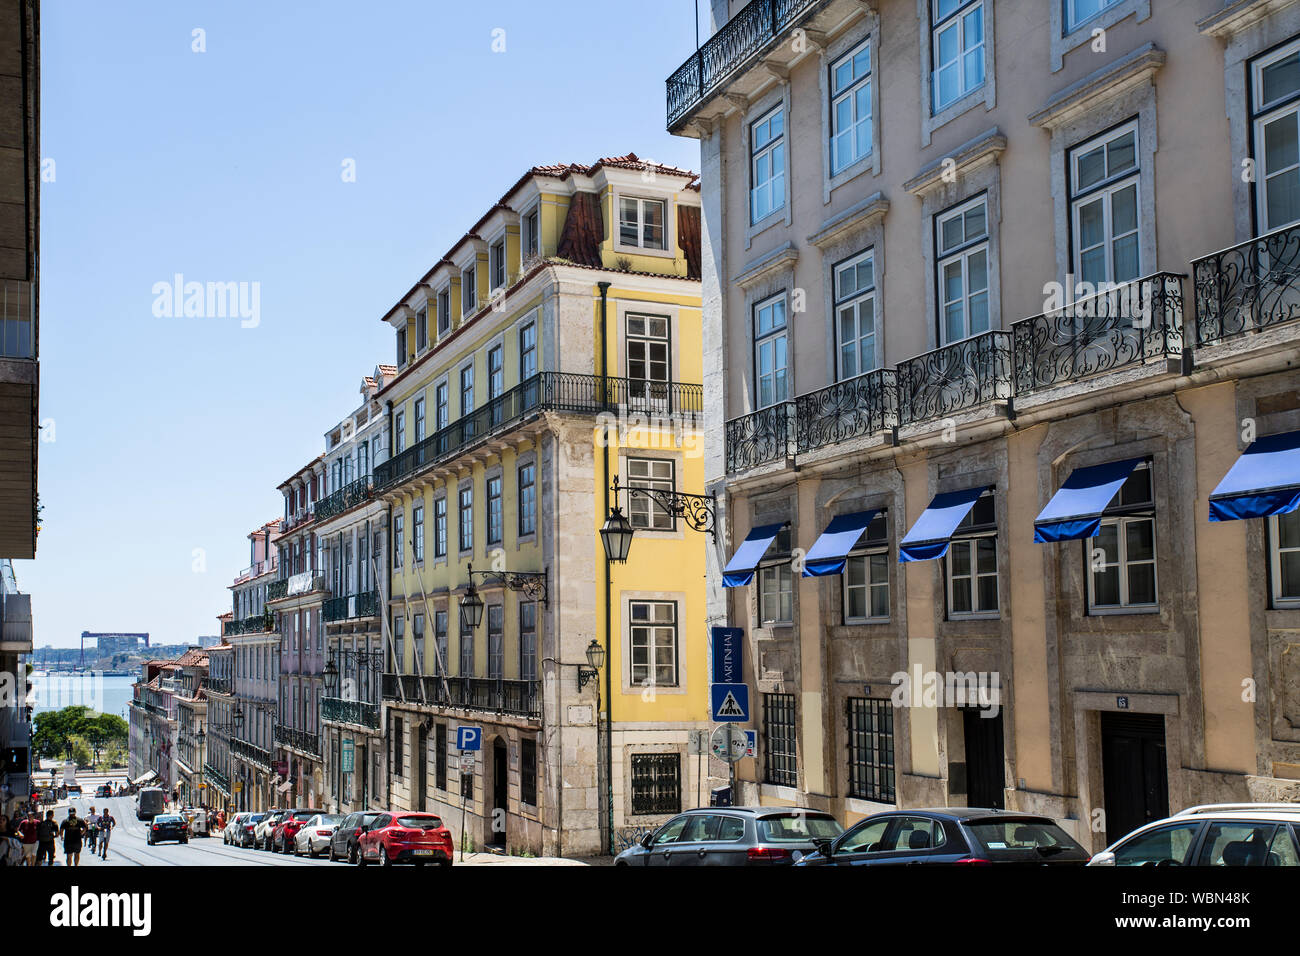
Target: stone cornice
783	257
1110	81
972	154
859	216
1238	15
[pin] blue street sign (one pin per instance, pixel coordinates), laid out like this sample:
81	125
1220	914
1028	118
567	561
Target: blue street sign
469	738
727	655
729	702
751	739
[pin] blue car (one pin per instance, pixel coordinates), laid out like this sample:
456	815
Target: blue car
733	836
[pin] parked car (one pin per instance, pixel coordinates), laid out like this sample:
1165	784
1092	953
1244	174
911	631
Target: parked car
313	837
104	790
74	789
230	833
401	837
151	802
343	844
1220	834
733	836
265	826
951	836
287	828
247	835
168	826
198	819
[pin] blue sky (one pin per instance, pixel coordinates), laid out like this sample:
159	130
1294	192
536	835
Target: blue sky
170	434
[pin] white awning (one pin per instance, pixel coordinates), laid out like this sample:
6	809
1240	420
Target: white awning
145	778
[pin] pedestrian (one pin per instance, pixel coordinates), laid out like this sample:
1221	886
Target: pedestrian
28	829
92	829
11	848
106	824
46	833
73	831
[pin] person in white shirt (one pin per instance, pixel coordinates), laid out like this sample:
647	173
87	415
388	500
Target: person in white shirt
92	829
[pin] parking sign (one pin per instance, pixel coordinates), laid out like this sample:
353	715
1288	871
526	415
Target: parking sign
469	738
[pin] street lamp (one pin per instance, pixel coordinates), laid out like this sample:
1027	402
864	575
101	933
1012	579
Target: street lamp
532	584
698	511
595	661
331	678
471	606
616	533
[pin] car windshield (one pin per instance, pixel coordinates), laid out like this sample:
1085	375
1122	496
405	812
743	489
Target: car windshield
305	814
798	828
1007	839
168	818
420	823
329	819
256	818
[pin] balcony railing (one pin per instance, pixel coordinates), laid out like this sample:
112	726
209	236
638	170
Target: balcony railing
755	28
296	520
337	502
302	583
249	625
852	408
251	752
365	604
359	712
299	740
257	569
955	378
1126	325
217	777
545	391
1248	287
762	436
277	589
221	685
17	320
519	698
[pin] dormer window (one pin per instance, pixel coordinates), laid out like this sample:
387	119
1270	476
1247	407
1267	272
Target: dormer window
444	311
421	329
641	223
468	292
401	346
532	233
497	264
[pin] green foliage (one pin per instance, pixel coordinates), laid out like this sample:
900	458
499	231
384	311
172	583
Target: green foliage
56	728
79	750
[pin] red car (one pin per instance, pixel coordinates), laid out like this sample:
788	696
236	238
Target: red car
401	837
284	832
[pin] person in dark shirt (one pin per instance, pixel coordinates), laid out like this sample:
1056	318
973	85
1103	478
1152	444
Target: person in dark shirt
46	833
73	830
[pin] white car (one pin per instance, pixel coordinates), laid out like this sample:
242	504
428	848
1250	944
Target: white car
1219	834
262	835
234	826
313	837
198	818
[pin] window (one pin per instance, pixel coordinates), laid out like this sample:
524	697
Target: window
467	518
767	165
866	576
497	263
532	233
528	771
958	50
1122	557
1104	207
417	532
440	527
494	519
654	643
444	311
641	223
496	624
440	406
647	350
468	292
528	640
363	460
397	539
400	426
963	271
1284	558
1077	12
401	346
1275	120
421	329
419	419
399	757
871	749
467	390
527	351
417	642
770	351
851	107
1159	847
440	642
440	756
972	563
527	499
779	740
399	642
496	381
644	511
466	651
776	593
656	784
855	314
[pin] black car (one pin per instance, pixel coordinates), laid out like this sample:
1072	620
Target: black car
247	830
343	844
168	826
733	836
104	790
950	836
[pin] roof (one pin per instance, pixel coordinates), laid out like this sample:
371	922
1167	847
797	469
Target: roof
193	657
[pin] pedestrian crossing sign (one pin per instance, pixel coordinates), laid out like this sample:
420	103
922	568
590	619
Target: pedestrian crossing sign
729	702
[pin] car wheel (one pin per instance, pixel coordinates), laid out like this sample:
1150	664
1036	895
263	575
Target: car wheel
185	840
332	857
361	859
383	856
353	856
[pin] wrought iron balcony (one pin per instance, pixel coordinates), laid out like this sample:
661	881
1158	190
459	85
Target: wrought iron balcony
748	34
365	604
299	740
277	589
1126	325
249	625
768	434
302	583
337	502
545	391
519	698
1248	287
251	752
359	712
297	520
216	777
955	378
855	407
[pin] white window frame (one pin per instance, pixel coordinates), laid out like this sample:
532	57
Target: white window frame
864	555
963	251
469	290
640	223
957	19
971	543
774	185
849	92
1105	191
1275	552
497	263
464	511
775	580
855	301
527	248
1122	562
644	512
1073	22
650	634
1261	115
776	333
417	533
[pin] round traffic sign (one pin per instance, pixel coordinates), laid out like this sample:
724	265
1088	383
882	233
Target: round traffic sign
728	743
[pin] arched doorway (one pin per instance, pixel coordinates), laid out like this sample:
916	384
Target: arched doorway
500	794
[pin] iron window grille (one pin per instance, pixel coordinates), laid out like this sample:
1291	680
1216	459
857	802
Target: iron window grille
871	749
440	756
656	784
780	747
528	771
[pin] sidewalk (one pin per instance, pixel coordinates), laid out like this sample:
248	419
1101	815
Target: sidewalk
501	859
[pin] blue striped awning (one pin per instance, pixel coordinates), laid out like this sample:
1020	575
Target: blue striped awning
1264	481
1075	510
928	538
830	552
740	569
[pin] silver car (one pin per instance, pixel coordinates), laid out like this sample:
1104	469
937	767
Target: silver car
1219	834
230	833
262	833
313	837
